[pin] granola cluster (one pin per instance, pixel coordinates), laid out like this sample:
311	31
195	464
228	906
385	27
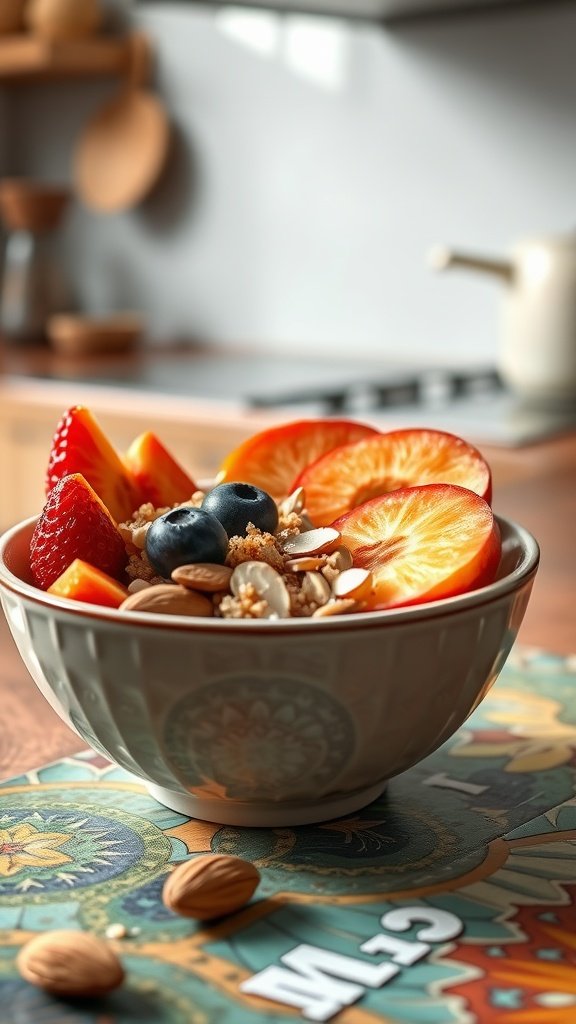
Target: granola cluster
255	547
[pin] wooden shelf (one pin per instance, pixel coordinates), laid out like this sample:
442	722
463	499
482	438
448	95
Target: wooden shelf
27	58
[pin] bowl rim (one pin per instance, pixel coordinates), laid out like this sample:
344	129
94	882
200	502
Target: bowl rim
492	592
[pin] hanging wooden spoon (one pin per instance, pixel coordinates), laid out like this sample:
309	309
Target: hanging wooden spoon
123	149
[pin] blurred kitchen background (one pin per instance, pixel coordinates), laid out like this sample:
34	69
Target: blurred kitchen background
314	161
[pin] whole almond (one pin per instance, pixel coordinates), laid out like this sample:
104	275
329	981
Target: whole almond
168	599
211	885
69	963
203	576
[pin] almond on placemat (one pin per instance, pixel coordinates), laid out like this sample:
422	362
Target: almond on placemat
70	963
210	886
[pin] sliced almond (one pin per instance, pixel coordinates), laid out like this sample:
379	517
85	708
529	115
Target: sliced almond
267	583
315	588
335	607
353	583
139	536
168	599
341	559
308	563
205	576
136	585
294	502
312	542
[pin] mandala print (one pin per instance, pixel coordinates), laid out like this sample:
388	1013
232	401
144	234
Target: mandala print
253	737
484	830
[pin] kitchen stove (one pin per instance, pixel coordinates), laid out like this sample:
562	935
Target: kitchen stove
468	400
471	401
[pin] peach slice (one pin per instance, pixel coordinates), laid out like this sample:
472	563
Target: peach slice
422	544
84	582
354	473
273	458
158	476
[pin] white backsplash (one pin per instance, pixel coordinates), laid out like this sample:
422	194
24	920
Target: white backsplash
315	163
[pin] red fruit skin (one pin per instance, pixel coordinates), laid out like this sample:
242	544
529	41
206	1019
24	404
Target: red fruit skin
80	446
158	477
74	523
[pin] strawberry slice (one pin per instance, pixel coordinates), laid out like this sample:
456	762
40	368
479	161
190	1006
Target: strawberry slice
422	543
159	478
80	446
273	458
75	523
83	582
354	473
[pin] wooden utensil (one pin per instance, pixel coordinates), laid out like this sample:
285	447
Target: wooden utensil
123	149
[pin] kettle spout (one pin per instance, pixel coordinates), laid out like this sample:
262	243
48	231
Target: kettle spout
441	258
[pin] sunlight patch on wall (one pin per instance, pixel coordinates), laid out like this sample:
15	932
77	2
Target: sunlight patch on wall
311	48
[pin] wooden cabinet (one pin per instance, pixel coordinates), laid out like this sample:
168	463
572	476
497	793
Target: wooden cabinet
199	435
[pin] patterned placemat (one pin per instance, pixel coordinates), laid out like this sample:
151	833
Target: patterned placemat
449	899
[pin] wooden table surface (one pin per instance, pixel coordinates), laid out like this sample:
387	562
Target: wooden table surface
536	486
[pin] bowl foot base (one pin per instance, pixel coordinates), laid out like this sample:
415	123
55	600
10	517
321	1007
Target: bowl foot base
265	815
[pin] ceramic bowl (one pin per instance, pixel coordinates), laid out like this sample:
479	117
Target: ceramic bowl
262	723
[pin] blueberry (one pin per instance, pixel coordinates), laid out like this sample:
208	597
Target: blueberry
182	536
237	504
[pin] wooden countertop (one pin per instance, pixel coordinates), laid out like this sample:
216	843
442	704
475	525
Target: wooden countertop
534	485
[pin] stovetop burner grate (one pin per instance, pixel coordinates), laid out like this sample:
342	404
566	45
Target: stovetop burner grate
437	387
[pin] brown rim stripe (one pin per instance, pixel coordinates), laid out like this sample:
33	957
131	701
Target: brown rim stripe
346	623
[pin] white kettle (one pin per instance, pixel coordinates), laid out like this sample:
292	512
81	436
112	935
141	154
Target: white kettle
537	355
